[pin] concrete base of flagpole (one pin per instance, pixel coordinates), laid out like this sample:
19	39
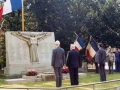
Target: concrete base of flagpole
84	68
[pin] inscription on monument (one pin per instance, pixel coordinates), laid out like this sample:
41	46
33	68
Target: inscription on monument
28	50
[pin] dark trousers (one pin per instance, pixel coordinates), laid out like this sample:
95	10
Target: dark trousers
102	73
117	66
110	65
74	76
96	67
58	76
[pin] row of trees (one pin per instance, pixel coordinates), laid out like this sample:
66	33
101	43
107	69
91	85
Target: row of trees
99	18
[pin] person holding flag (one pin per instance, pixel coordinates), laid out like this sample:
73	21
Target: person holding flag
96	50
73	60
101	62
91	52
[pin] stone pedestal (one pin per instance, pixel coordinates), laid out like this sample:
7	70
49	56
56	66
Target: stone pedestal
66	76
48	76
29	77
85	66
33	78
40	77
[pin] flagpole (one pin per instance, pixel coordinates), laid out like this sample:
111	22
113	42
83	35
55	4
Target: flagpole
75	33
23	15
76	36
1	26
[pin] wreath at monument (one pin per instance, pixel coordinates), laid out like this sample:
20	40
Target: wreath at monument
31	73
65	70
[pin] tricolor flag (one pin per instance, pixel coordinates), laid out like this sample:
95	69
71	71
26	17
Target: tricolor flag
91	49
10	6
1	11
79	44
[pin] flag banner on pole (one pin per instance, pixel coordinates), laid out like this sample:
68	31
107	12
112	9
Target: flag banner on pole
79	44
10	6
91	49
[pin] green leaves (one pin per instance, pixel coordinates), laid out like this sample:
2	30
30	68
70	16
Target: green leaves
64	17
2	51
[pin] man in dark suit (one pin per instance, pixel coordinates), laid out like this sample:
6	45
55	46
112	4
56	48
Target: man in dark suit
101	62
73	63
58	57
117	60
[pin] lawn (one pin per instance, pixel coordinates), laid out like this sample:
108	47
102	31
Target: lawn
90	78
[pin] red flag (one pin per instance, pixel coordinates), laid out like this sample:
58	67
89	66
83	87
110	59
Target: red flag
1	11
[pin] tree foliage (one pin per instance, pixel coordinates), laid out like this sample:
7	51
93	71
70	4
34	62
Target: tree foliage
85	17
99	18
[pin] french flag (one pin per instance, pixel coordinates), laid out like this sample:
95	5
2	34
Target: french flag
79	44
91	48
10	6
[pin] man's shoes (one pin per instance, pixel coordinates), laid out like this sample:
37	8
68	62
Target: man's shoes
102	80
96	72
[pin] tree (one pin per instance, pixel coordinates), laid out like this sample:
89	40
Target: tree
99	18
105	23
2	51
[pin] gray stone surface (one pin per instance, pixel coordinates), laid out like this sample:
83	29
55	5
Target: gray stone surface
85	67
18	57
29	77
48	77
82	75
18	80
13	76
40	77
24	79
66	76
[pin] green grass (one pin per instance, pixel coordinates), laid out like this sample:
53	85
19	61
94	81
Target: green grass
2	77
90	78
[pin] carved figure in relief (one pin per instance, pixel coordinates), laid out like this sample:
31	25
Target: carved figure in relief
32	41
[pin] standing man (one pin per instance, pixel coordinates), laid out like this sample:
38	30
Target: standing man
111	59
73	63
117	61
101	62
58	56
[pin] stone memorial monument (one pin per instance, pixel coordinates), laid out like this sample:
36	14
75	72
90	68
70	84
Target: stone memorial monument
28	50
